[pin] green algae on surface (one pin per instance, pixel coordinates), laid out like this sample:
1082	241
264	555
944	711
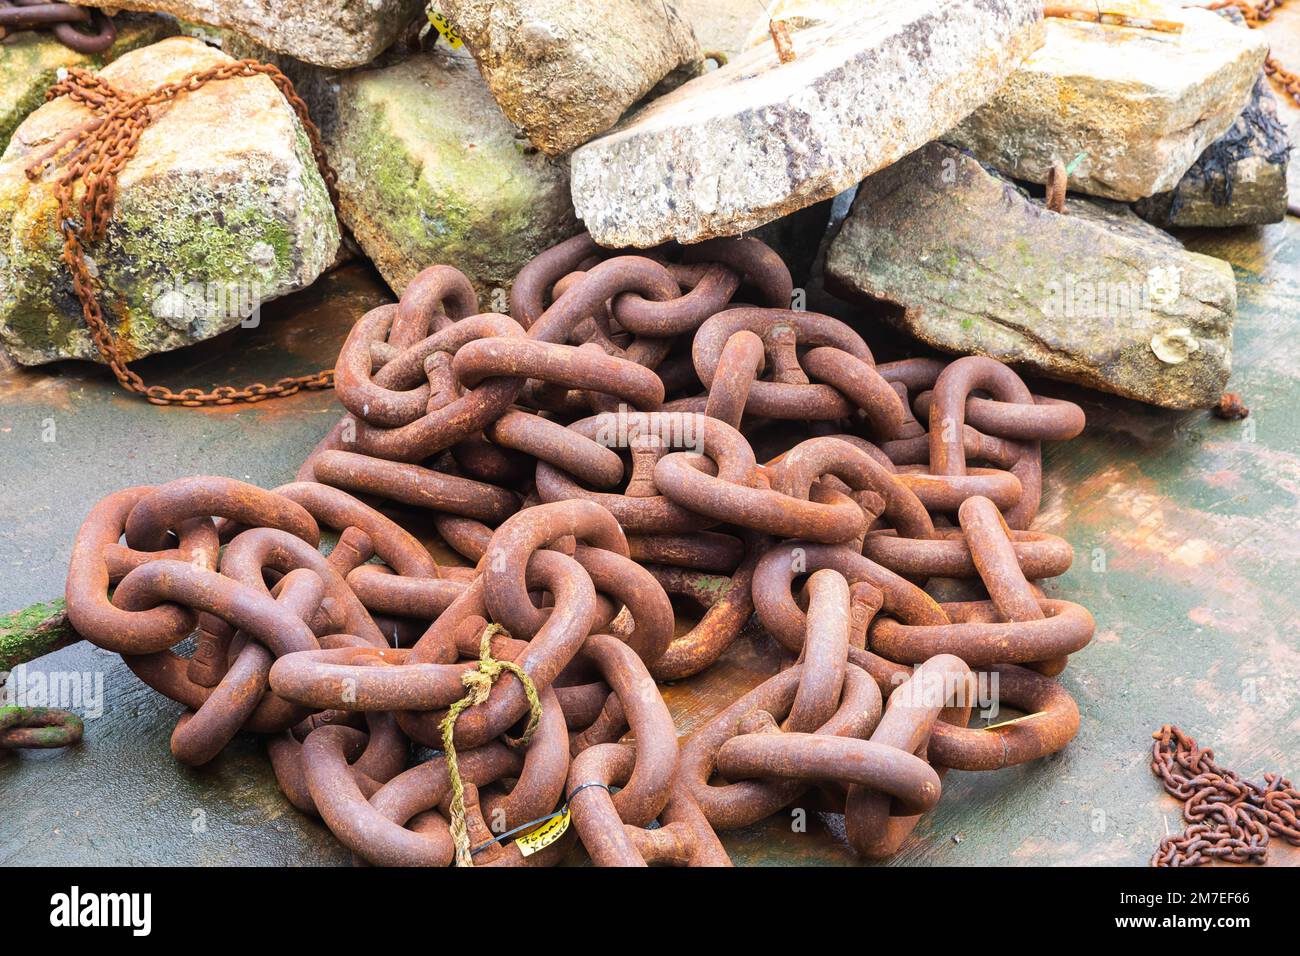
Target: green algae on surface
34	631
430	171
38	728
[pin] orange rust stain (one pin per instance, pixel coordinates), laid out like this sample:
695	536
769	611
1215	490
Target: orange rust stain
29	386
1223	479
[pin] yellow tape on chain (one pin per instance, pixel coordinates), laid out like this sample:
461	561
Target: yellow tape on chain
545	835
444	27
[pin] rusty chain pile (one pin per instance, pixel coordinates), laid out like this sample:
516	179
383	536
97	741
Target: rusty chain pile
63	20
592	456
1228	818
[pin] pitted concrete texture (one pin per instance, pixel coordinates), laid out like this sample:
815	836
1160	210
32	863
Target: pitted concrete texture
758	138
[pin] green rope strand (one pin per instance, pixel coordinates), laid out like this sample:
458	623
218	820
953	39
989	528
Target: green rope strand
480	683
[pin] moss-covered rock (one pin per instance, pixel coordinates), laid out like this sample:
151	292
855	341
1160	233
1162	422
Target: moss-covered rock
30	62
430	171
1094	296
221	209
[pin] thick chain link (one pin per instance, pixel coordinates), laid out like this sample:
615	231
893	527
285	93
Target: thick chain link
84	30
95	154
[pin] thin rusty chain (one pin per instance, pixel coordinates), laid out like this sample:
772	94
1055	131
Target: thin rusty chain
95	154
1288	81
1231	819
1257	16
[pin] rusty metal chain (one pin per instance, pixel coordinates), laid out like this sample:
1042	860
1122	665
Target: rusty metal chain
1229	818
1288	81
33	728
1258	14
94	155
593	458
62	21
1255	13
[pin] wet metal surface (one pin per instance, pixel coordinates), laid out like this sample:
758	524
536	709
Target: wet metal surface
1183	528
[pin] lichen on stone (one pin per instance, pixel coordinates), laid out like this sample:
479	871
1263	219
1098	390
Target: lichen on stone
199	237
430	171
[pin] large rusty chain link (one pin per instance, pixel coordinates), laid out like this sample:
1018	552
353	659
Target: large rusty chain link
591	460
64	21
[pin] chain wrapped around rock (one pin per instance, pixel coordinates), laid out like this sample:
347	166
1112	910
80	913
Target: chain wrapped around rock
92	156
593	458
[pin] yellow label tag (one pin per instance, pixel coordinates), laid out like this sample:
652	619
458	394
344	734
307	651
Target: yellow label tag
545	835
443	26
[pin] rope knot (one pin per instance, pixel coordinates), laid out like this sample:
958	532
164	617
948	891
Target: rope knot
479	683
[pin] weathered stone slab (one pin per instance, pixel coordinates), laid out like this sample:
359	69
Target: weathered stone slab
430	171
1139	106
221	209
30	62
564	71
1239	181
1095	296
337	33
758	139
